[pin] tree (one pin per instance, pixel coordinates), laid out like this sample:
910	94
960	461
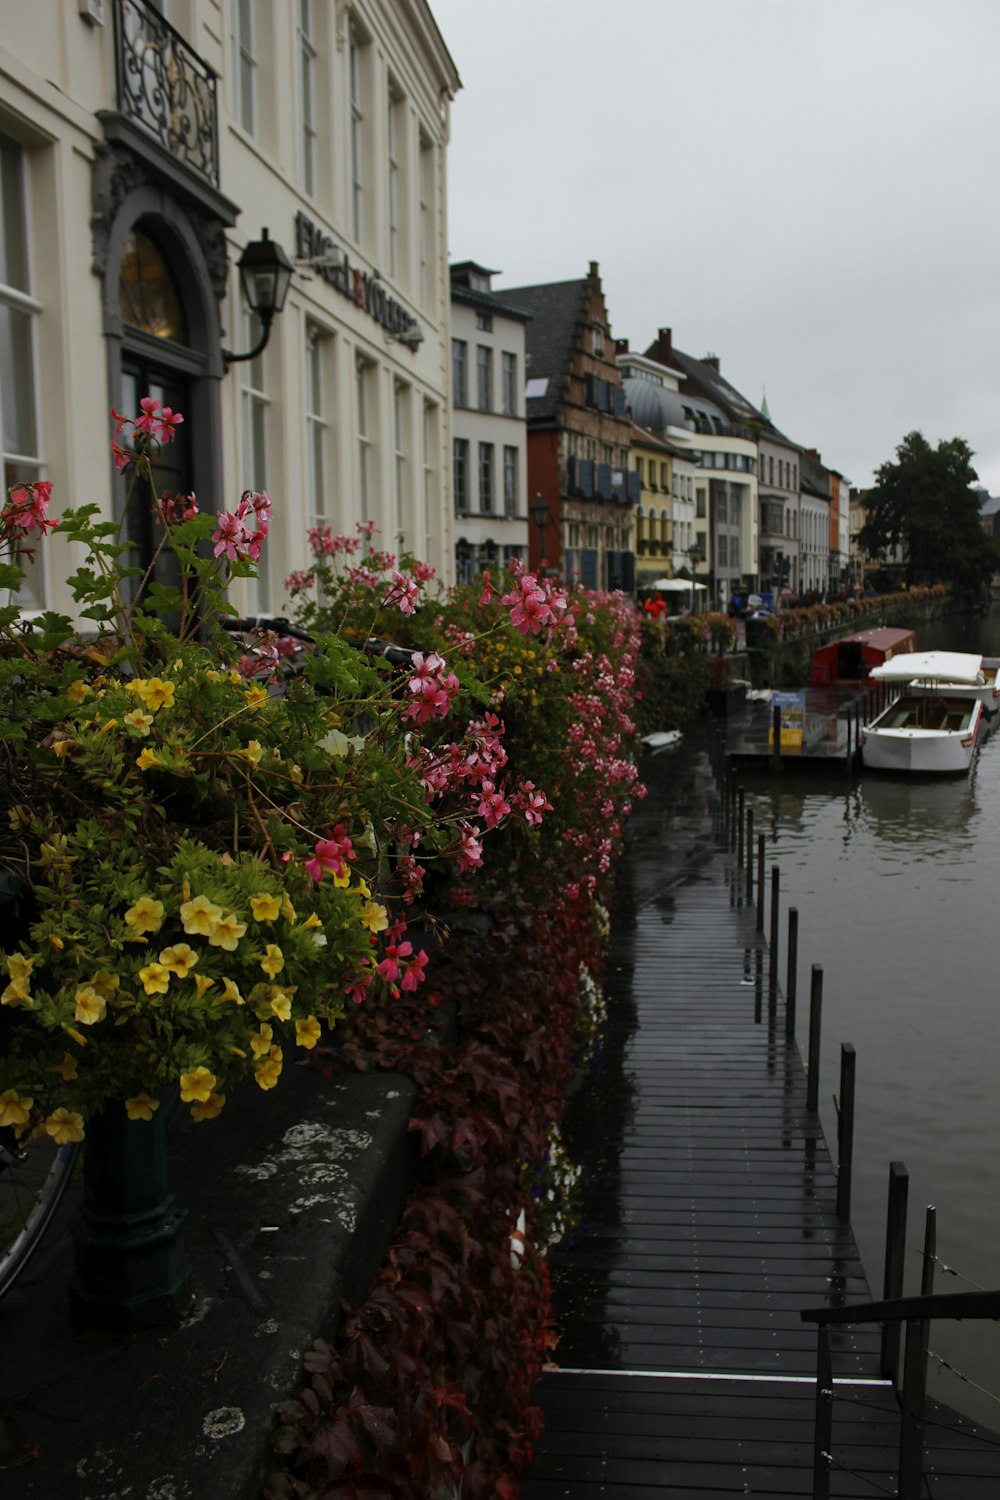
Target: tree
925	504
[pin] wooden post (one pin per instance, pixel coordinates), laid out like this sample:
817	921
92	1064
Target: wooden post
845	1131
772	972
741	801
791	982
815	1026
760	883
895	1257
823	1427
911	1436
776	741
749	855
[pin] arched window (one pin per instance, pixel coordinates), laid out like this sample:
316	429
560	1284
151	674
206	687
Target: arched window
147	293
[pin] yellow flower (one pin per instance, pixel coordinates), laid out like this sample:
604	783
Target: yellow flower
207	1109
273	961
200	916
374	917
155	979
227	932
287	909
256	695
281	1002
265	908
253	752
90	1006
203	985
145	916
14	1110
15	994
212	675
19	969
260	1043
231	991
77	1036
64	1125
179	958
138	720
141	1107
145	759
197	1086
310	922
106	984
78	690
269	1071
61	748
135	686
295	774
156	693
67	1069
307	1033
19	816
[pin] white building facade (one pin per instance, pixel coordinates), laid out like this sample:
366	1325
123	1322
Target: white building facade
142	147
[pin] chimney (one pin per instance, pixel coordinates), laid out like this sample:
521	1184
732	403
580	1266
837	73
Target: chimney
663	349
713	360
621	346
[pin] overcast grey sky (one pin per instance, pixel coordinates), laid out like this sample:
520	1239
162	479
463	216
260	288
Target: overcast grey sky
807	188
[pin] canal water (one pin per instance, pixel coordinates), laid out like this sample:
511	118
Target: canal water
897	884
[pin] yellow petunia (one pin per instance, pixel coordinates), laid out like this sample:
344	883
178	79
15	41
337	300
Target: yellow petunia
281	1002
231	991
374	917
200	916
179	958
256	695
203	985
61	748
260	1043
265	908
207	1109
307	1033
67	1069
227	932
156	694
145	916
311	921
78	690
139	720
253	751
269	1071
15	1111
90	1006
64	1126
287	909
273	961
141	1107
155	979
106	984
145	759
198	1085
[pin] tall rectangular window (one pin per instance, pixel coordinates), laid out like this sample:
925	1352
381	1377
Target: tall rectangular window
426	216
394	185
254	405
318	426
358	129
245	63
459	372
509	379
364	375
509	481
484	377
400	393
460	473
19	435
307	91
486	478
429	461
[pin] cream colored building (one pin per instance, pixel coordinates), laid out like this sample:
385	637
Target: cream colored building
142	147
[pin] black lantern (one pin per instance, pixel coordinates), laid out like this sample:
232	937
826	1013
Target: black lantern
265	276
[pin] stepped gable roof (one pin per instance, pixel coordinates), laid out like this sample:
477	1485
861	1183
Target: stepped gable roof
557	309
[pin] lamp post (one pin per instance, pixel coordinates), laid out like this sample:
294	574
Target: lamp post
540	516
265	275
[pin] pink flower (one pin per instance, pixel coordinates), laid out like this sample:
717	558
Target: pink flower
487	593
331	855
470	855
26	509
230	537
404	593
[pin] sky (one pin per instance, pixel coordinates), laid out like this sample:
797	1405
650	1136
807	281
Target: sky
807	188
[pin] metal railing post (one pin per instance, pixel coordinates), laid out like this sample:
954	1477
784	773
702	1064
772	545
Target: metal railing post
791	983
776	737
823	1428
760	883
895	1256
772	972
741	800
815	1027
911	1435
749	855
845	1131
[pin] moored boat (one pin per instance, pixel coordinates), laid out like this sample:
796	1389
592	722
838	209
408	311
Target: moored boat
852	658
957	674
924	734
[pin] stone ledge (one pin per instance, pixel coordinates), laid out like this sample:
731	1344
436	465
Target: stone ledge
292	1199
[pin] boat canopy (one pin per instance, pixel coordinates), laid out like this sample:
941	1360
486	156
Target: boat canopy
677	586
931	666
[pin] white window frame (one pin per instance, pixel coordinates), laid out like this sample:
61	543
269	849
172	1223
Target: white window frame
255	406
426	217
356	64
511	466
395	140
400	461
308	56
319	427
245	65
364	376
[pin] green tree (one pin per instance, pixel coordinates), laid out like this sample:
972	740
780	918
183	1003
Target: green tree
925	504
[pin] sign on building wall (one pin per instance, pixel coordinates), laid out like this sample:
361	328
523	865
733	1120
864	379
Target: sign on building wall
364	288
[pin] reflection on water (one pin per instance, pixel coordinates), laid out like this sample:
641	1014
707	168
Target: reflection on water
896	882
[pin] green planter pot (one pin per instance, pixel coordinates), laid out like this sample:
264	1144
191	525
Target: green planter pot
131	1268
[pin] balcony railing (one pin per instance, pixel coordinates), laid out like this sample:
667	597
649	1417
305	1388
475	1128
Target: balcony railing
164	86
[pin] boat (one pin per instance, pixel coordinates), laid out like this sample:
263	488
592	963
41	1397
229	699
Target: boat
956	674
924	734
662	739
850	659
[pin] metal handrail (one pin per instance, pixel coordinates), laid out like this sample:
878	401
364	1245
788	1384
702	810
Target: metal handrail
907	1309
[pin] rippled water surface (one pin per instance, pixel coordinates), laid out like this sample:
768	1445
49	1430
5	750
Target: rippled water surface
897	885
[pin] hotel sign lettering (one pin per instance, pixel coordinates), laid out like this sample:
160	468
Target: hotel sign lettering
364	288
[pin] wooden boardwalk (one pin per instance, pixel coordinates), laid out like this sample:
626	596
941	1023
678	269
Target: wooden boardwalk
708	1222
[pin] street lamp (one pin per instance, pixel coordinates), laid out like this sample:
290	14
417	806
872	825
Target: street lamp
265	275
540	516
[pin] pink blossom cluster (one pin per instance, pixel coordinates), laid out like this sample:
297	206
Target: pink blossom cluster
240	534
404	592
332	855
431	687
173	508
26	512
401	966
155	423
535	604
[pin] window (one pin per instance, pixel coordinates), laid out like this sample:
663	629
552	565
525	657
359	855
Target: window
19	436
254	405
510	481
245	63
484	322
358	133
700	502
429	466
307	87
484	377
770	468
721	506
364	377
318	430
394	130
426	219
723	550
459	372
400	395
508	394
598	339
486	478
638	467
460	473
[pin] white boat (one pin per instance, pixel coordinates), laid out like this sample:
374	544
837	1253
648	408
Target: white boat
662	739
956	674
924	734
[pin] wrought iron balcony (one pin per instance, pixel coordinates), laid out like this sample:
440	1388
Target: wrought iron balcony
164	86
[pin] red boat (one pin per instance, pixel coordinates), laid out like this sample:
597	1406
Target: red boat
848	660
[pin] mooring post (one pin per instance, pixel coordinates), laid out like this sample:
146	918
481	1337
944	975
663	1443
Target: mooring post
776	737
749	855
741	804
791	980
895	1255
823	1427
845	1131
732	811
911	1434
815	1027
760	883
772	972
